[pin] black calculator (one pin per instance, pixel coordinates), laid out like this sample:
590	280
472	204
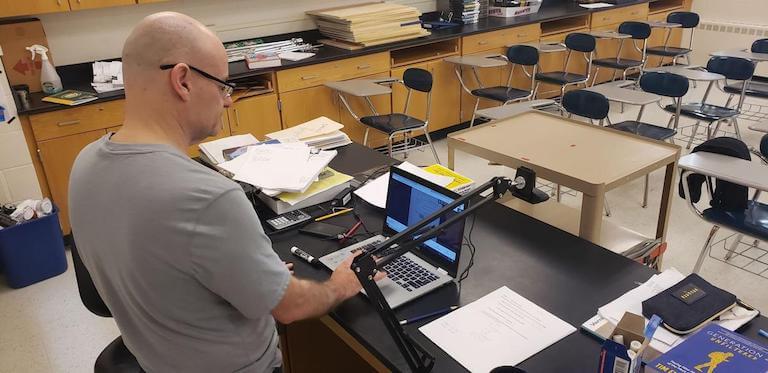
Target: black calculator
288	219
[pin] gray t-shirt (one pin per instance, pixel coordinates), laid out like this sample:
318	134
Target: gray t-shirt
180	258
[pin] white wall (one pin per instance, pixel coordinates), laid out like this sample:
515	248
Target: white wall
89	35
751	12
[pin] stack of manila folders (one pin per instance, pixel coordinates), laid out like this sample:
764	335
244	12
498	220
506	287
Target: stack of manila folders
290	167
609	315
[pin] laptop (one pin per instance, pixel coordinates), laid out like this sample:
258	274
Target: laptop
428	267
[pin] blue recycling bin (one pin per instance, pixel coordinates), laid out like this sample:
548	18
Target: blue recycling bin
32	251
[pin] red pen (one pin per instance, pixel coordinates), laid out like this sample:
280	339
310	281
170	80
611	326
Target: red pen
351	231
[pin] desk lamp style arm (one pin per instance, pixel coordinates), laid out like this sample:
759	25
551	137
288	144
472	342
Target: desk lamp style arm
367	265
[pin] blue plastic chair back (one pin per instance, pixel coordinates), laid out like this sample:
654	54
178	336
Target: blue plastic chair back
733	68
581	42
586	104
638	30
664	84
764	146
525	55
686	19
418	79
760	46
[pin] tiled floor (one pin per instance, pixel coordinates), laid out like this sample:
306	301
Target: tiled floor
45	328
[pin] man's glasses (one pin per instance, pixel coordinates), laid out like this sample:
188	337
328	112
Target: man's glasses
226	88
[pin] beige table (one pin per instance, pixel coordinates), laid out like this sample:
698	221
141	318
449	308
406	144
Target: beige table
586	158
609	35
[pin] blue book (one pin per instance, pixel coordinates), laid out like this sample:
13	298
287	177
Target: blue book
714	349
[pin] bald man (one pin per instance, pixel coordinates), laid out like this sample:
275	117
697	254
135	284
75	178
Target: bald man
175	249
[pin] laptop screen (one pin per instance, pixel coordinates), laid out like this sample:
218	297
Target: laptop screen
409	200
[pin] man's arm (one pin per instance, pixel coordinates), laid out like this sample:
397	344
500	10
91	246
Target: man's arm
304	299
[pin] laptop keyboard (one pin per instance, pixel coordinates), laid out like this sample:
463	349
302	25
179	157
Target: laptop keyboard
408	274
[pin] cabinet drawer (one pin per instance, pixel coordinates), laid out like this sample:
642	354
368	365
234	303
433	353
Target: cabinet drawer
500	38
67	122
616	16
315	75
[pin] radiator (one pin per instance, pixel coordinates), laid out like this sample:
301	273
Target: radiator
713	36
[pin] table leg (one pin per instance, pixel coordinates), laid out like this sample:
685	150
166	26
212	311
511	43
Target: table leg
451	155
592	215
666	202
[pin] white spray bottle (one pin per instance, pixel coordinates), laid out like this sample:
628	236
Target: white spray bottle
49	79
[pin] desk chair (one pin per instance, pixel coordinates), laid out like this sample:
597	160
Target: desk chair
517	55
686	20
581	43
401	123
663	84
741	174
639	32
732	68
758	86
115	358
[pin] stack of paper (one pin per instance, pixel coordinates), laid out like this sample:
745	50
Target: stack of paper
214	150
107	76
321	133
370	24
290	167
330	183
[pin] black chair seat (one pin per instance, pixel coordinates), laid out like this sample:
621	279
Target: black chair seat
758	87
621	64
753	221
560	77
116	358
501	94
650	131
389	123
667	51
705	112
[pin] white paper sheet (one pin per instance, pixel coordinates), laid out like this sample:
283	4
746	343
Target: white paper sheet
501	328
213	149
596	5
375	191
315	127
295	56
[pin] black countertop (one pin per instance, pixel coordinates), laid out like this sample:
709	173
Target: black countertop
79	76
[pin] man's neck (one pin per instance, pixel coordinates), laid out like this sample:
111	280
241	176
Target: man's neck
144	131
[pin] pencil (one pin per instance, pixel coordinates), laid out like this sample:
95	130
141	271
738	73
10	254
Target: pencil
337	213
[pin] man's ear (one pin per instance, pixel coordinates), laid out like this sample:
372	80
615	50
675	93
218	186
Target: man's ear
180	81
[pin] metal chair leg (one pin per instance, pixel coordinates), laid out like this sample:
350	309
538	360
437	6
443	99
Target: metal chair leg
431	145
645	191
472	121
695	129
736	127
606	207
717	129
389	145
733	246
703	253
557	192
365	138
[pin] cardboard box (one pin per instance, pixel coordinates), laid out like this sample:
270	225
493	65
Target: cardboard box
614	357
15	35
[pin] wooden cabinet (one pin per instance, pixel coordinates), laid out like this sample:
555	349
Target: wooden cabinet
619	15
194	150
92	4
316	75
11	8
659	35
76	120
609	20
446	95
257	115
555	61
57	157
299	106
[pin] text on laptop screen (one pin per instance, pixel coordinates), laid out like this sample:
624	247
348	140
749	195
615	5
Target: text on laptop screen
408	202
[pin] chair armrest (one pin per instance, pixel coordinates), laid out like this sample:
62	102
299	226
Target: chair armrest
735	170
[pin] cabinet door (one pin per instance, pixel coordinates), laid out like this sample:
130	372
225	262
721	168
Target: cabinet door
353	128
489	77
10	8
194	150
658	36
57	157
555	61
446	96
301	105
91	4
257	115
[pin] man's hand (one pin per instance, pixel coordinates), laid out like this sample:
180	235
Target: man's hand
289	265
344	281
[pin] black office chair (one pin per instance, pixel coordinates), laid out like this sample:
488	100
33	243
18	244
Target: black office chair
401	123
758	86
639	32
687	20
518	55
732	68
115	358
663	84
581	43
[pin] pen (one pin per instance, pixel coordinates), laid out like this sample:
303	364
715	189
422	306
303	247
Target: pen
304	256
351	231
422	317
763	333
337	213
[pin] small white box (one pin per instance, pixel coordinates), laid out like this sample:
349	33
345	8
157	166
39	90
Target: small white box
508	12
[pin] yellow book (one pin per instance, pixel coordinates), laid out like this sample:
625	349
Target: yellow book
461	184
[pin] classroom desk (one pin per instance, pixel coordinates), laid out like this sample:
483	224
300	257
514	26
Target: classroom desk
568	276
742	53
583	157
